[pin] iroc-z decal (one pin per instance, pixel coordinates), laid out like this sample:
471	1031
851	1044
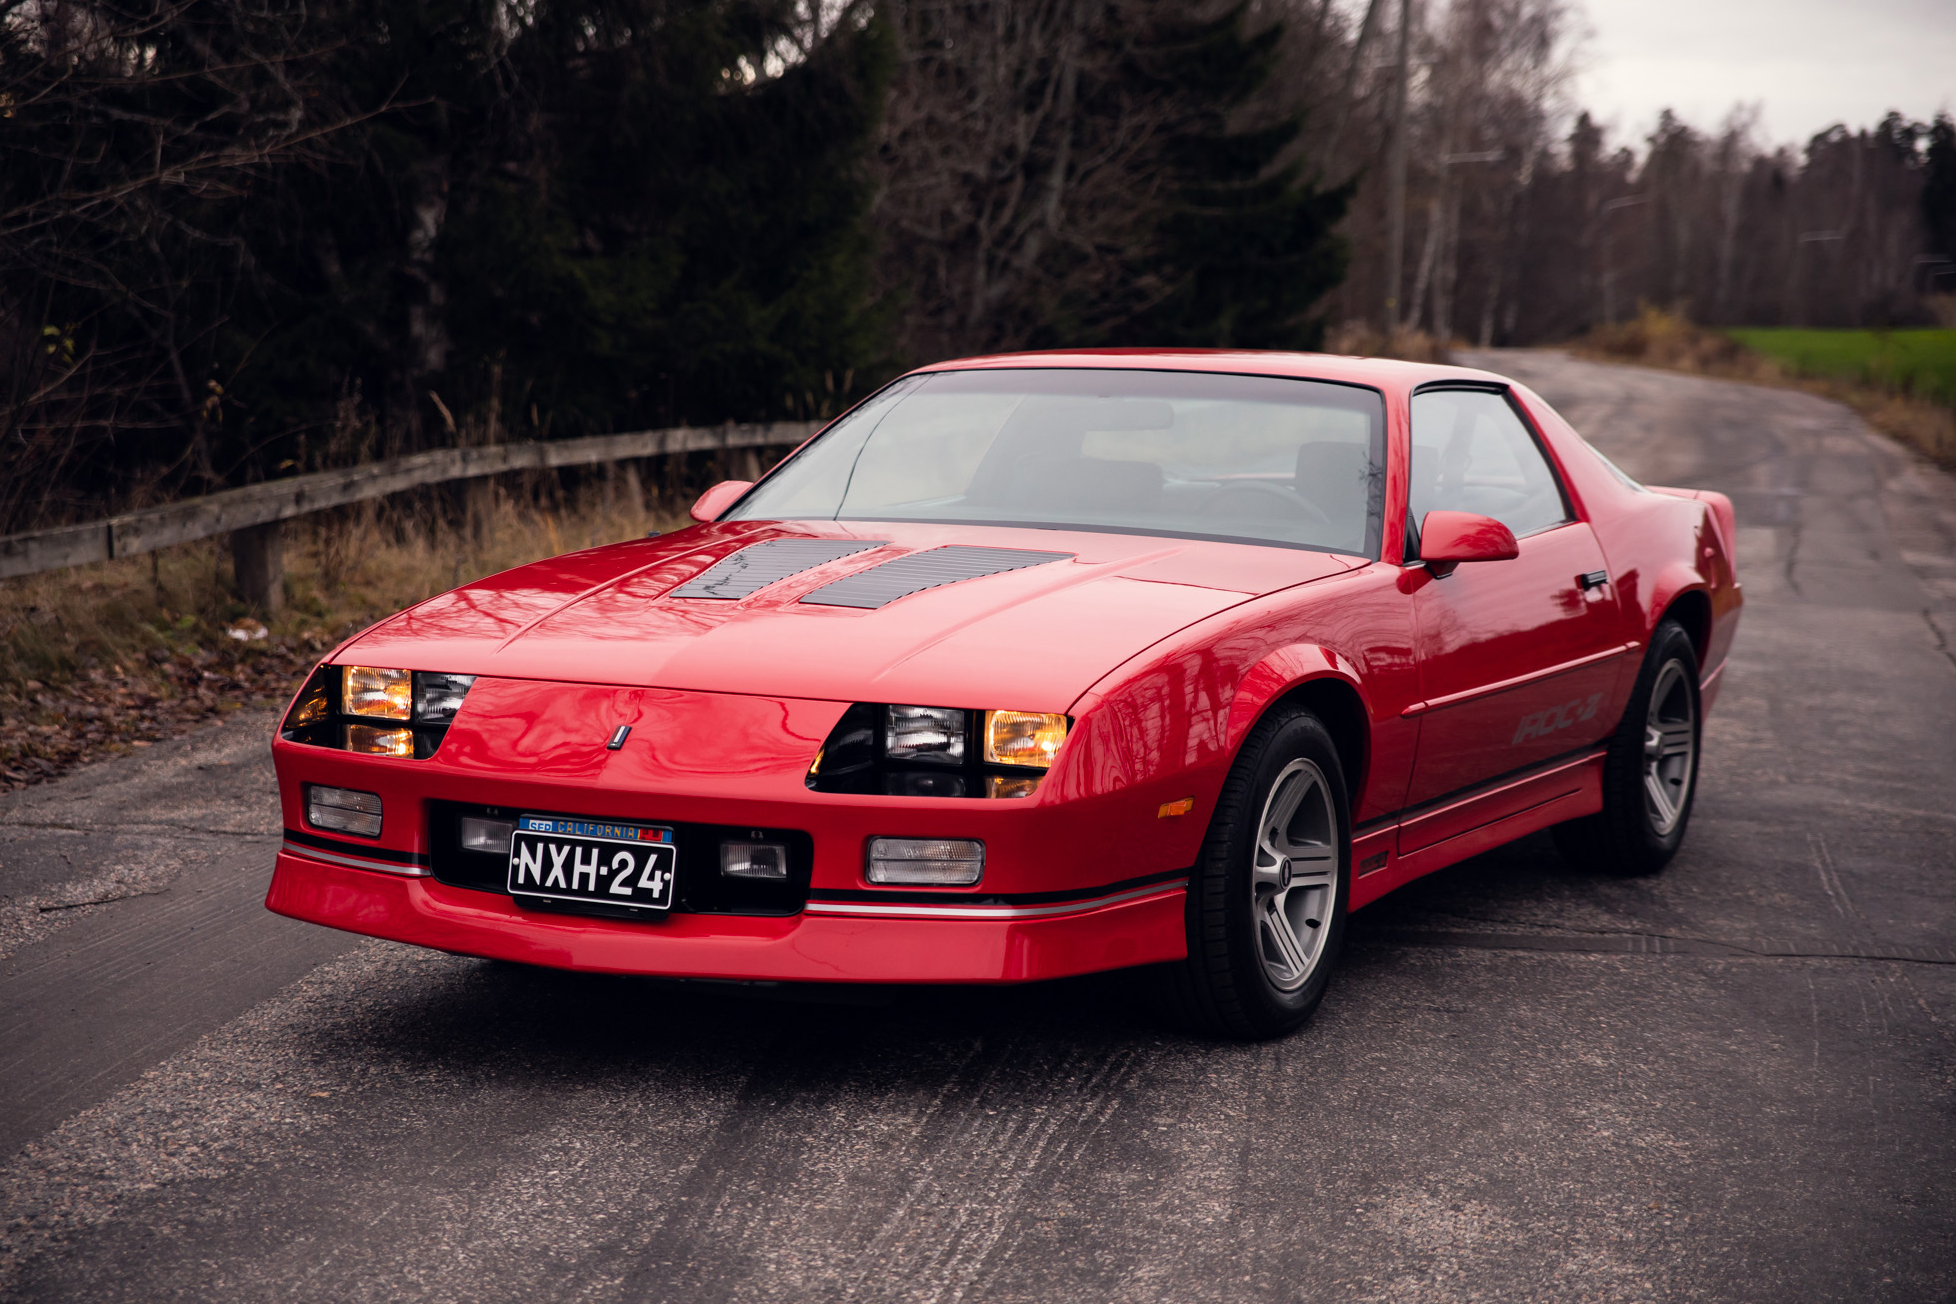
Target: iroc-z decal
1543	723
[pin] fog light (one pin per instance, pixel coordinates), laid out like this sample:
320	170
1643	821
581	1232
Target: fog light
368	691
765	860
943	862
343	810
491	836
924	733
369	741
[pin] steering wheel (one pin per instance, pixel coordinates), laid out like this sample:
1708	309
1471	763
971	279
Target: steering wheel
1250	488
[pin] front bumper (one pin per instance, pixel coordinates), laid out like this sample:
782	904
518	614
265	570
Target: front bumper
1140	924
1077	879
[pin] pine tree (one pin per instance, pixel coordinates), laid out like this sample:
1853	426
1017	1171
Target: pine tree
1939	185
1245	242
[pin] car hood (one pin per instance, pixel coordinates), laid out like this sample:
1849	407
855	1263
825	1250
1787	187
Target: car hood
1032	638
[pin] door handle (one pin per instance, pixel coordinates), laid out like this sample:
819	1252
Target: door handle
1592	580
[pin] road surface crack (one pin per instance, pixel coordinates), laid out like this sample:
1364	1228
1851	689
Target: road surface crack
1942	639
1630	943
98	901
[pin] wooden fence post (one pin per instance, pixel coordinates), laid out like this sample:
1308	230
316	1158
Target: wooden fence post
258	562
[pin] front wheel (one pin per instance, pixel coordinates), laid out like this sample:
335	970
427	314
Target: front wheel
1267	899
1650	774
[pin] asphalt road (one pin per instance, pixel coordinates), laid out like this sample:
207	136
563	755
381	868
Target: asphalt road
1729	1083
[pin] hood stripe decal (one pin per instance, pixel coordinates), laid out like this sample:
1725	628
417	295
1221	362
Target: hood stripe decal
881	585
753	568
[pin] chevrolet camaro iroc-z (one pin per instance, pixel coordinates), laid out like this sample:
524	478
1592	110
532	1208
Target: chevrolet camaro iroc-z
1033	666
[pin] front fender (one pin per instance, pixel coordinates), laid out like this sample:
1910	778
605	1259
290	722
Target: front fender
1278	674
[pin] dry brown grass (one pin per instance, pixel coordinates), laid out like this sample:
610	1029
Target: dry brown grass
1656	338
104	658
1360	339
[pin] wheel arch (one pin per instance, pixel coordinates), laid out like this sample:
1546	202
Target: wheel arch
1692	609
1320	681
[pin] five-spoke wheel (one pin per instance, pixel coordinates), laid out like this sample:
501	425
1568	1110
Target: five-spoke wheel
1266	902
1651	770
1670	747
1294	873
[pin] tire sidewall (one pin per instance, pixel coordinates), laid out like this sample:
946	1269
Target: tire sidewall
1269	1009
1669	643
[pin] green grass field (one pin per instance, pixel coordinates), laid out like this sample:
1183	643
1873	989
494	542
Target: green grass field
1917	362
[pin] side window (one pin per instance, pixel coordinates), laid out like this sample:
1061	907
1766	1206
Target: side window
1471	453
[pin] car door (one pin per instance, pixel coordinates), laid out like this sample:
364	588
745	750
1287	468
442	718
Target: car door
1519	660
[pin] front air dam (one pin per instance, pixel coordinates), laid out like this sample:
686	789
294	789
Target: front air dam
804	948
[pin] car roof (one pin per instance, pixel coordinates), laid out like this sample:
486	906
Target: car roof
1388	374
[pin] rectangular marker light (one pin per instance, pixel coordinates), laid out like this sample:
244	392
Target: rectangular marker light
934	862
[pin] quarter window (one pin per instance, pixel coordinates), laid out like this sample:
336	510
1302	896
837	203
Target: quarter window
1471	453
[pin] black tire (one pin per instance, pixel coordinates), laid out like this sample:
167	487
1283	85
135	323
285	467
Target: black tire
1632	836
1229	984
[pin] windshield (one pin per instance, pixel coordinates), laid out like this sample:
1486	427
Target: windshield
1251	458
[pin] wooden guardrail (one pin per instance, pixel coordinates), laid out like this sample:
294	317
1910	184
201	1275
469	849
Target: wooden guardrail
251	514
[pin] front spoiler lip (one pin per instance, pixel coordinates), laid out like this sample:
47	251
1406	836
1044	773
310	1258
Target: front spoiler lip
865	908
1033	905
1145	926
410	864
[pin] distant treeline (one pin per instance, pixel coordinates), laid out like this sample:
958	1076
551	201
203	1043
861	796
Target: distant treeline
240	238
1524	223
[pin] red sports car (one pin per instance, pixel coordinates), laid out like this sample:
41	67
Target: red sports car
1031	666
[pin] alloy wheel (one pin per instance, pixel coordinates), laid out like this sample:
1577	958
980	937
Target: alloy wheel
1294	874
1670	748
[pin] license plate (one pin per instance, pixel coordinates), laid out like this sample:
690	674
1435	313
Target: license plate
593	860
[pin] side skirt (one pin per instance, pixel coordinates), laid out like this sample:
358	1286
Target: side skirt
1475	822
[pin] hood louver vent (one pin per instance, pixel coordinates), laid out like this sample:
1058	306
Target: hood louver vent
881	585
754	568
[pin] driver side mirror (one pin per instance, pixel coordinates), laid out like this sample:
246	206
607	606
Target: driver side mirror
708	506
1448	538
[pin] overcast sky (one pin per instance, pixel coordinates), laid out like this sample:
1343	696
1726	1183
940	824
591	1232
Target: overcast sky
1806	63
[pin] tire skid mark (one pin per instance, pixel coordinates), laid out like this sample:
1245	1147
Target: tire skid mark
903	1177
981	1169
